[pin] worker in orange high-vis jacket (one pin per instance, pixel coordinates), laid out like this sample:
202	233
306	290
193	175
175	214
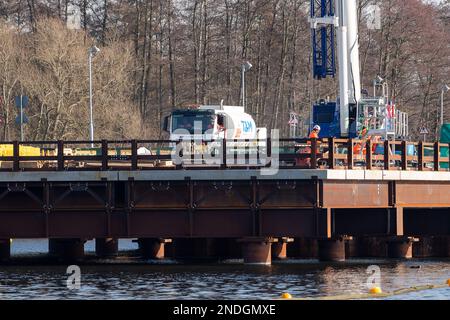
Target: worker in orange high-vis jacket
359	148
307	150
315	132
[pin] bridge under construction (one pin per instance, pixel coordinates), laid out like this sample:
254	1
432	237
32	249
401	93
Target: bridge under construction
329	203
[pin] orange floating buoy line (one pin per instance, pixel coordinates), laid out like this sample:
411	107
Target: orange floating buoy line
375	292
288	296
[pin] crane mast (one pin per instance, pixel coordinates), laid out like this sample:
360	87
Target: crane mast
326	16
338	19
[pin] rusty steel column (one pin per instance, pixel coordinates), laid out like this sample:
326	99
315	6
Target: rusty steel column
66	249
332	249
279	248
400	248
183	248
423	248
152	248
372	247
351	248
5	249
169	249
257	250
106	247
303	248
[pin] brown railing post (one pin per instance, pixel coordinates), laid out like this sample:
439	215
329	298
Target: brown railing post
448	157
224	153
269	151
60	155
104	155
257	152
235	151
331	150
404	155
387	155
369	154
247	151
313	153
16	156
436	155
420	154
134	159
192	151
179	154
350	154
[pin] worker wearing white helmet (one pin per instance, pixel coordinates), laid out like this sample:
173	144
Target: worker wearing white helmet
315	132
307	150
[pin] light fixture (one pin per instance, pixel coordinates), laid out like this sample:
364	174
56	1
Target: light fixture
247	66
94	50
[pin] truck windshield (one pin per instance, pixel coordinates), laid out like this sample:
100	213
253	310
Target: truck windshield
200	122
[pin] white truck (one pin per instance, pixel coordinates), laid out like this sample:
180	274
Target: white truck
209	125
212	122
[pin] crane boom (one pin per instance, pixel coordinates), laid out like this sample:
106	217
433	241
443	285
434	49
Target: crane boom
342	15
351	21
351	112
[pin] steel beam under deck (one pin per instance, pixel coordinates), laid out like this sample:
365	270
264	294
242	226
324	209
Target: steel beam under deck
223	208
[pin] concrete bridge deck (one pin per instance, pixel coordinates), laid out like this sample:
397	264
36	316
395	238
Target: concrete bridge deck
224	175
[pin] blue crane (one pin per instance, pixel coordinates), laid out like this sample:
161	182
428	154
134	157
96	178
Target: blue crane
323	40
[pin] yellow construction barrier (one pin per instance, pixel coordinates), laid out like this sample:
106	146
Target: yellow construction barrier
6	150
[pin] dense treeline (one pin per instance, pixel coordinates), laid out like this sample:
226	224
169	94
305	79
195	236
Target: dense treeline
160	54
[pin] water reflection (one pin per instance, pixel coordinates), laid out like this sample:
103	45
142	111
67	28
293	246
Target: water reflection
215	281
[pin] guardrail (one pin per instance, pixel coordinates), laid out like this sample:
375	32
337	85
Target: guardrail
325	153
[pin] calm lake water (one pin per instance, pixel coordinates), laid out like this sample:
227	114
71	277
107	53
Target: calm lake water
125	278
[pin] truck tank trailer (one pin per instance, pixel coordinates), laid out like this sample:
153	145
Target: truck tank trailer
202	129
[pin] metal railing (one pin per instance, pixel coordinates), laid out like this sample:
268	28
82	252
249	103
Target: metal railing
329	153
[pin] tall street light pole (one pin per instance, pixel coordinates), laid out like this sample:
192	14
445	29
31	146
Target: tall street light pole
246	66
445	88
92	52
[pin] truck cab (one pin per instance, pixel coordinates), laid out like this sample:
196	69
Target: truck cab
211	122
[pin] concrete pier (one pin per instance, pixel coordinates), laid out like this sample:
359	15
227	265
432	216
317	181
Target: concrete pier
106	247
257	250
66	249
152	248
5	249
332	249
